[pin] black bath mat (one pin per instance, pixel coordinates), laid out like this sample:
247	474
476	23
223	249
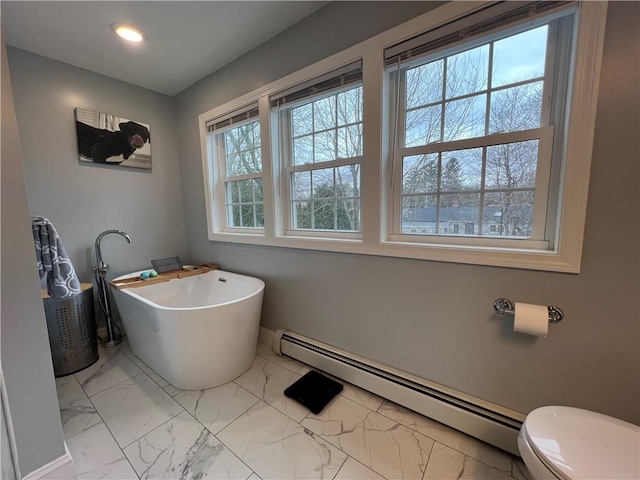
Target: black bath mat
314	391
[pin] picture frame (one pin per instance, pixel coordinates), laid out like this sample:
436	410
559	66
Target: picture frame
112	140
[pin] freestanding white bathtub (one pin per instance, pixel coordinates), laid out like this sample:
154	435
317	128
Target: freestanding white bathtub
197	332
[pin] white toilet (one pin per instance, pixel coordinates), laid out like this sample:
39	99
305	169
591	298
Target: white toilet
571	443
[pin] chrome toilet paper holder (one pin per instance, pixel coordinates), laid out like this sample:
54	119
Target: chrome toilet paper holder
505	307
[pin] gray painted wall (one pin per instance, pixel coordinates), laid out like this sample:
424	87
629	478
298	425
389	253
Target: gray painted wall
435	320
26	359
82	199
7	467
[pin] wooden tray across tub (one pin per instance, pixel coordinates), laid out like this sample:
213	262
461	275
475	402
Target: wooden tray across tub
132	282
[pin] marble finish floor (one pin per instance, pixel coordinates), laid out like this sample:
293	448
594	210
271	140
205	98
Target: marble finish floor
121	420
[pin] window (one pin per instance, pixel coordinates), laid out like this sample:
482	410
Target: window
321	146
464	135
474	132
235	144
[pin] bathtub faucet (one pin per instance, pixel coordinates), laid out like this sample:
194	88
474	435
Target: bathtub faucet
101	267
100	273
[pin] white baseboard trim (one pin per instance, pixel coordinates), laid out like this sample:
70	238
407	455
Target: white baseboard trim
59	469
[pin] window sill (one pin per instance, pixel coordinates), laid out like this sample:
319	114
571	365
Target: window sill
522	258
239	237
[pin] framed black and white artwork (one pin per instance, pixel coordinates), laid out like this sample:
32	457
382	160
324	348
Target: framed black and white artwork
111	140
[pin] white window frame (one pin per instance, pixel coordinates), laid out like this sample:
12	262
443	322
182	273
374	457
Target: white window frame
226	178
217	168
544	134
375	175
286	152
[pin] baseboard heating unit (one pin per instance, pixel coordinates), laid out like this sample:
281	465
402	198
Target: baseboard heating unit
486	421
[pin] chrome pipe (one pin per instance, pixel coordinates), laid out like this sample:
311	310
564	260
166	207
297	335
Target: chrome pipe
101	270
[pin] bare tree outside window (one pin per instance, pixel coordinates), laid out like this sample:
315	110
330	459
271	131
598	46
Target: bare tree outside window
325	130
244	197
473	94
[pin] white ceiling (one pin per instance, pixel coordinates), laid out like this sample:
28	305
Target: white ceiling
185	40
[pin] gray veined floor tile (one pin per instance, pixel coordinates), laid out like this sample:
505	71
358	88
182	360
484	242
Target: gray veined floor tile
182	448
133	408
358	395
354	470
76	410
276	447
60	381
173	391
124	347
268	382
381	444
257	360
289	363
217	407
149	371
474	448
96	455
112	367
519	470
447	463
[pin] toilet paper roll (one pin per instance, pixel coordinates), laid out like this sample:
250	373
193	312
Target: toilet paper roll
531	319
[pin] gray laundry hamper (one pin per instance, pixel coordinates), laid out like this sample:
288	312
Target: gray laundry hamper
71	323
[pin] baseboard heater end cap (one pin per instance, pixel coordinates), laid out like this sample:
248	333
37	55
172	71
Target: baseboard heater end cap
277	337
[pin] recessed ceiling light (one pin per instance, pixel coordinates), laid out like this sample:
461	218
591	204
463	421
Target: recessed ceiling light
127	32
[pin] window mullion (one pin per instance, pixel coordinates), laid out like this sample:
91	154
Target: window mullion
401	119
397	191
443	97
488	140
438	196
489	90
313	133
253	200
241	203
286	149
483	181
549	86
335	129
335	200
341	162
542	186
219	184
245	176
312	200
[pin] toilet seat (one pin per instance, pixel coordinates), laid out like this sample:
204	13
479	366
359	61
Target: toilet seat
538	469
578	444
